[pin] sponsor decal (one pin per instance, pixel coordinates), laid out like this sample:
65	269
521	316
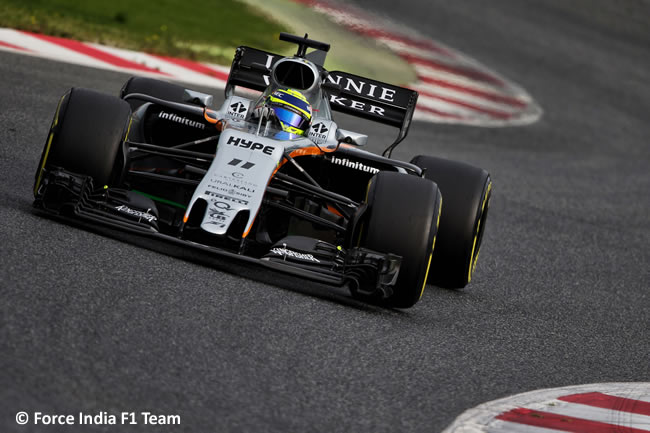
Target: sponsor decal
230	191
250	144
365	89
232	185
320	128
227	197
137	213
236	177
237	110
268	64
219	213
318	132
245	165
182	120
269	60
353	164
362	106
285	252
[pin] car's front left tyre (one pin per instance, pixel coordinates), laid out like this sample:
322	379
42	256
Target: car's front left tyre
402	218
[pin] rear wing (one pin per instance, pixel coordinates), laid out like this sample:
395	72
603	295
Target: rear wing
358	96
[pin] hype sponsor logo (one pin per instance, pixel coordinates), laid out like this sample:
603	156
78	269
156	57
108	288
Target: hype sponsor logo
250	144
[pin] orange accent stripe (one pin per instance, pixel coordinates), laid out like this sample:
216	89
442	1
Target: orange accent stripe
334	210
313	150
298	152
206	115
251	227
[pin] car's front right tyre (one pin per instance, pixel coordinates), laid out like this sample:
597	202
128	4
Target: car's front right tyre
86	135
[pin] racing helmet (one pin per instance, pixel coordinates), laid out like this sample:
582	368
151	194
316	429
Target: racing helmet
291	110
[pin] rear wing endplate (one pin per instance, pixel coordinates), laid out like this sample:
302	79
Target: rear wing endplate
358	96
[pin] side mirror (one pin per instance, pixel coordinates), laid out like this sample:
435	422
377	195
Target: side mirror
198	98
349	137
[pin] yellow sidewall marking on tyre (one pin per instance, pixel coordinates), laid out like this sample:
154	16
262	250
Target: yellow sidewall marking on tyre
473	260
48	145
40	171
433	246
128	129
426	274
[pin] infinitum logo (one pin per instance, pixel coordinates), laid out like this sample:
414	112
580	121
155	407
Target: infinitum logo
353	164
181	120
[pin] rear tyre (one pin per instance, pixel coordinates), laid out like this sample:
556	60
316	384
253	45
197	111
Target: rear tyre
402	218
152	87
86	135
466	191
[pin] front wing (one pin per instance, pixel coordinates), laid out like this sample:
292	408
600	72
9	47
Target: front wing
72	198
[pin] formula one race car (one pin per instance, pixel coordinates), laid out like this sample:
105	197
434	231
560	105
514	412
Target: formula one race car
271	179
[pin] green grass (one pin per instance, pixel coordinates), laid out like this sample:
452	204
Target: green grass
200	30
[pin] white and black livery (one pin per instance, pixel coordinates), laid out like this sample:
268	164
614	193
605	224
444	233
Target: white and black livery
159	163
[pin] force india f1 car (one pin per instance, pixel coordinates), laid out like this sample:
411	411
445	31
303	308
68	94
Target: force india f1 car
238	182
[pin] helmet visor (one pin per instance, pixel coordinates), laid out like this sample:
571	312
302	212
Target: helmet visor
290	118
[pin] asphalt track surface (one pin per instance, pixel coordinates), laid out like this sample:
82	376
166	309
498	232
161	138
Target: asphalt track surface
560	296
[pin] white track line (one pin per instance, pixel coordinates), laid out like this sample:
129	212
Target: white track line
482	418
173	70
462	97
462	81
510	427
593	413
49	50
